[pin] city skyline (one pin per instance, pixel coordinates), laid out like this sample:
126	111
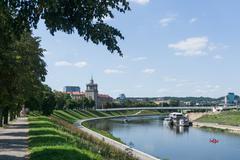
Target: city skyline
170	49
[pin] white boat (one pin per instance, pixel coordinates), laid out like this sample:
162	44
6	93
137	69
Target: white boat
177	119
167	121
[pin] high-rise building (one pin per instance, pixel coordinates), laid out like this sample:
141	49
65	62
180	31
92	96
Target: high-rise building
71	89
230	98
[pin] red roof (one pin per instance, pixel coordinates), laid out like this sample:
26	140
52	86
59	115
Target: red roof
104	96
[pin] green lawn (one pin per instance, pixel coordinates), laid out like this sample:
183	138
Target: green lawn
227	118
48	142
54	138
72	116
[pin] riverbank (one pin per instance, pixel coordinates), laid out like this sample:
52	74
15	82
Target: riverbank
51	135
224	128
53	138
134	152
228	121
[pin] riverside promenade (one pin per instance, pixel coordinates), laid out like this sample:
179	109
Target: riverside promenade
136	153
14	140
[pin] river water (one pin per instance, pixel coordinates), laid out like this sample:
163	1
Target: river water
149	135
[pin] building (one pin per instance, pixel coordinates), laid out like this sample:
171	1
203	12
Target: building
71	89
76	95
101	100
92	91
230	98
122	98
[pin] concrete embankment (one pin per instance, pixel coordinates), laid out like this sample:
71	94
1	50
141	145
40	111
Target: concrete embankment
136	153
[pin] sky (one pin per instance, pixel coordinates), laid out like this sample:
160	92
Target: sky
171	48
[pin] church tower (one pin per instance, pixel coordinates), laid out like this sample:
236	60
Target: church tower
92	91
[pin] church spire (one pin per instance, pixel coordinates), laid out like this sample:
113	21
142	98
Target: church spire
92	80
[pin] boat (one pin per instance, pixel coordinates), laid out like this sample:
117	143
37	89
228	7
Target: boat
177	119
167	121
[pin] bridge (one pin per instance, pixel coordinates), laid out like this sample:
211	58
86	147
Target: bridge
203	108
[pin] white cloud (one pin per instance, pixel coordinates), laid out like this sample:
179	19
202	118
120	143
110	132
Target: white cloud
113	71
193	20
63	63
149	71
139	59
79	64
218	57
193	46
169	79
164	22
141	2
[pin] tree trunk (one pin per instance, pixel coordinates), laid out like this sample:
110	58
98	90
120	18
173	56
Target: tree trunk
11	115
1	117
5	115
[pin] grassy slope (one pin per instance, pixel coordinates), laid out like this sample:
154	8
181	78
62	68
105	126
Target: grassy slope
57	139
227	118
72	116
48	142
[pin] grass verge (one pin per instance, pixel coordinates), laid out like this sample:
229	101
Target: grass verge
227	118
56	139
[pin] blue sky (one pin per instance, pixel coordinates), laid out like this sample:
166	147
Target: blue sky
171	48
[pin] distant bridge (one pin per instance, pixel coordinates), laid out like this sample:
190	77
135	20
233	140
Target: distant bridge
204	108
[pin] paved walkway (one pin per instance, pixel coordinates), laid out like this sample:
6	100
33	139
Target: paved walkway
14	140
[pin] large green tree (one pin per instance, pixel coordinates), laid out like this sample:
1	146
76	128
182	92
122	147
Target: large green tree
86	17
22	73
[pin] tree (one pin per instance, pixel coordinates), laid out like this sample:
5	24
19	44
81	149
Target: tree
91	103
85	102
48	101
86	17
71	104
61	99
33	104
174	103
22	73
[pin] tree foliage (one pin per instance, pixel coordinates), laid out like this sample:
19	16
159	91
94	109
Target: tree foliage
22	68
86	17
22	72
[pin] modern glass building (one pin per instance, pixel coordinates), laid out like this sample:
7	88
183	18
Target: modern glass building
71	89
230	98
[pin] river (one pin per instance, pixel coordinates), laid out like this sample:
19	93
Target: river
148	134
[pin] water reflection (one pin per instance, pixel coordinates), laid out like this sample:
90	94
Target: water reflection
177	129
148	134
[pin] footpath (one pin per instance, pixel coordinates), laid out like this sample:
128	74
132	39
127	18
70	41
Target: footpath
14	140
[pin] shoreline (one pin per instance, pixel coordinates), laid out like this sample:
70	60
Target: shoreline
136	153
227	128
